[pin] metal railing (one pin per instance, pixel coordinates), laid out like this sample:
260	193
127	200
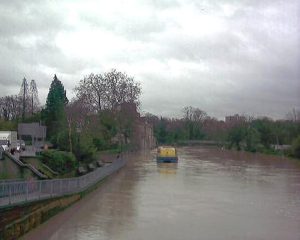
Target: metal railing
21	164
13	193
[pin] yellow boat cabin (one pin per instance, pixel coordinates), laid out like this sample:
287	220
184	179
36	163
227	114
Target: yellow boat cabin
166	155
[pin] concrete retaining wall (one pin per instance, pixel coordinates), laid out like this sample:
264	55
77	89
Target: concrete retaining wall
40	213
15	221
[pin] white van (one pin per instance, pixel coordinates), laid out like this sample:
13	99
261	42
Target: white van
8	139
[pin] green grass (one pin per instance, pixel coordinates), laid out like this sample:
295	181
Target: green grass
10	170
68	175
38	165
113	150
4	175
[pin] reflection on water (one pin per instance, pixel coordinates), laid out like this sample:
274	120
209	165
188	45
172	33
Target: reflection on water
209	194
167	168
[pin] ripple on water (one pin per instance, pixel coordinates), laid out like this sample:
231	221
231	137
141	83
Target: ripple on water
210	194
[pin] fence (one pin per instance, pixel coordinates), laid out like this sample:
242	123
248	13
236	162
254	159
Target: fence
12	193
21	164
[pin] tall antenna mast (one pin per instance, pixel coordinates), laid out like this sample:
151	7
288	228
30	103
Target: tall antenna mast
34	99
24	96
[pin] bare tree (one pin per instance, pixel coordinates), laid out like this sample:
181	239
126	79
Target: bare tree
194	114
108	90
10	107
121	88
91	91
293	115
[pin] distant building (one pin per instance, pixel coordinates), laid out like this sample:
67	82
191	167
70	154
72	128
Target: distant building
146	132
142	132
35	131
235	119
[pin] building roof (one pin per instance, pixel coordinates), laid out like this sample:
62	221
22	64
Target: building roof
32	129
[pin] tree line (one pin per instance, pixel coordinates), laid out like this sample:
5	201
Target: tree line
22	105
94	119
244	133
99	117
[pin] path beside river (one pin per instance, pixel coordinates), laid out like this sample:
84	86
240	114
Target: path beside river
209	194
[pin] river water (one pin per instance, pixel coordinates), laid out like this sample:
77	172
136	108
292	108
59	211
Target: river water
210	194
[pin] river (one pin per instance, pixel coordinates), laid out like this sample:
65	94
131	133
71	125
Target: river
210	194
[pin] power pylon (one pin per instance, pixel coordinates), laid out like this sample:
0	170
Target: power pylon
34	98
24	96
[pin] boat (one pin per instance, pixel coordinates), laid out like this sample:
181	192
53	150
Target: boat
166	155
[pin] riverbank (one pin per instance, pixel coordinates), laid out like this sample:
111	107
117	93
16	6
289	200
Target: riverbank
19	217
274	150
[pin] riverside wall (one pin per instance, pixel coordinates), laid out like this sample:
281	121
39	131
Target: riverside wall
19	219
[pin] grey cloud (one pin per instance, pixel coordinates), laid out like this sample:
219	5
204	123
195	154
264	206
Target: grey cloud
250	67
19	18
162	4
132	28
263	66
38	23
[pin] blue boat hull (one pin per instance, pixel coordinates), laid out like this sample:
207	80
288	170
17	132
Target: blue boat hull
167	159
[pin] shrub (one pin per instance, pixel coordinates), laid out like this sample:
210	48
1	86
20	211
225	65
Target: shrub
100	144
85	150
295	150
60	161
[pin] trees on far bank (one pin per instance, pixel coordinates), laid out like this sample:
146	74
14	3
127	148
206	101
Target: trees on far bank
246	133
296	147
101	114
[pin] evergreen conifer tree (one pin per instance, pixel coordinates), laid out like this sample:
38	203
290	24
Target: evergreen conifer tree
55	105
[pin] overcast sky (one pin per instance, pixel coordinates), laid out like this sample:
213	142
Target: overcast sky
225	57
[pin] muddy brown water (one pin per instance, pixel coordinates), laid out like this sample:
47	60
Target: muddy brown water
210	194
